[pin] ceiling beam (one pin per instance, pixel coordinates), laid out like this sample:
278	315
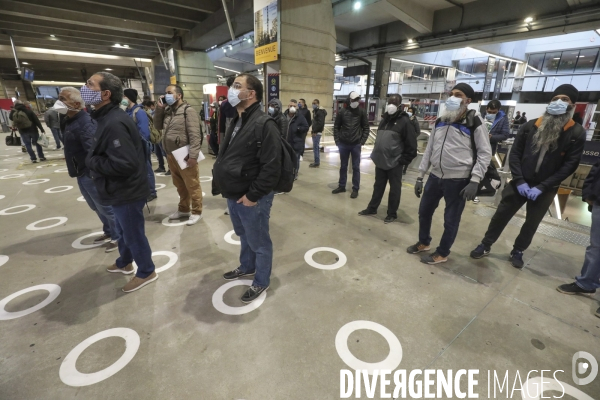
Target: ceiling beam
412	14
10	7
207	6
142	7
72	46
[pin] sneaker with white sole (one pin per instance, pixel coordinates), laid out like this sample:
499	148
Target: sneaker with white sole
434	258
137	283
127	270
102	239
194	218
112	246
179	215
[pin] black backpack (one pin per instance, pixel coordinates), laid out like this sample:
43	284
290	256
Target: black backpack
288	156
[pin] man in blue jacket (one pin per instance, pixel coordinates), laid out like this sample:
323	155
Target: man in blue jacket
137	112
589	279
497	123
117	160
78	138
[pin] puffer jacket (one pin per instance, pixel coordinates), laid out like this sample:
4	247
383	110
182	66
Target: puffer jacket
296	132
318	121
396	142
280	118
351	126
78	140
181	127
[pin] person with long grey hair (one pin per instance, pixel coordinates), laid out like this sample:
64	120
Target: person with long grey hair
546	151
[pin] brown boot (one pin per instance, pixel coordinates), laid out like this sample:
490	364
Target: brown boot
137	283
127	270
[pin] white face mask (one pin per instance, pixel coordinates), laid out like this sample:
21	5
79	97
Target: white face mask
292	110
453	103
354	104
62	108
391	109
233	96
409	114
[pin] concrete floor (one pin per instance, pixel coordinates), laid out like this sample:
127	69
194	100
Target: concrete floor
467	314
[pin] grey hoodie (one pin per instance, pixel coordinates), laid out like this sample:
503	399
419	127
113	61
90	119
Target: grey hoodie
449	151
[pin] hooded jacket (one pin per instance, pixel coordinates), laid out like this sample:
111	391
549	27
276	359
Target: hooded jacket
35	122
296	132
449	150
280	118
558	164
180	126
396	142
318	120
117	159
351	126
51	118
500	130
78	140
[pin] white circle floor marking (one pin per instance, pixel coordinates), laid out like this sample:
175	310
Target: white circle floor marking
166	222
2	196
203	194
160	174
3	260
391	362
172	260
13	159
11	176
206	178
80	246
3	169
48	165
36	181
62	170
5	211
218	303
53	292
81	198
160	186
68	370
33	227
535	385
62	189
308	257
229	238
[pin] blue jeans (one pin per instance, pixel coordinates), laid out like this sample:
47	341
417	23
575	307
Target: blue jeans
160	155
345	151
105	213
590	273
251	224
133	243
316	148
435	190
28	139
57	136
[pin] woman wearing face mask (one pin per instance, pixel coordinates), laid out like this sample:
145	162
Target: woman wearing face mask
411	112
497	124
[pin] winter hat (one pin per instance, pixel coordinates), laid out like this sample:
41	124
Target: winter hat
466	89
131	94
567	90
353	95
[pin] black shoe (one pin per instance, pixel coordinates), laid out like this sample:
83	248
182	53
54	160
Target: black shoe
597	313
151	197
168	173
34	161
236	273
43	159
434	258
573	288
389	219
313	165
354	194
252	293
159	169
338	190
367	212
516	259
417	248
481	251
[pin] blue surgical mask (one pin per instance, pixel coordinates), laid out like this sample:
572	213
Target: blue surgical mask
90	97
490	117
409	114
557	107
271	110
233	96
299	105
453	103
315	106
170	99
125	102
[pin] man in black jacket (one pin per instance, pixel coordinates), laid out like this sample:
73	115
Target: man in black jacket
302	109
276	112
589	279
350	132
30	134
246	174
546	151
318	125
297	127
395	146
117	161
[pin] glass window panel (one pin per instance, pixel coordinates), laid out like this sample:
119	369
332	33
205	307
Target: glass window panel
480	66
586	60
535	61
417	72
427	73
568	61
551	62
466	65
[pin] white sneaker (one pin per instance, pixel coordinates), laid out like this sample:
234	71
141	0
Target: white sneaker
179	215
193	219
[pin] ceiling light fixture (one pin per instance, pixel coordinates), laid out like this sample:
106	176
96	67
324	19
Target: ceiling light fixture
126	45
528	20
117	45
52	36
108	69
224	50
227	69
230	47
410	41
24	63
357	5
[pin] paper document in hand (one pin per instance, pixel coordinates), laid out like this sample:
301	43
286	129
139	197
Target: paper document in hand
181	155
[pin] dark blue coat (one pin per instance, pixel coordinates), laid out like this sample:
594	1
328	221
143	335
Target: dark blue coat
591	186
78	139
499	131
296	132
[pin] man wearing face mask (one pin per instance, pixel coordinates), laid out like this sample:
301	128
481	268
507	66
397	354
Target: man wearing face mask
77	140
412	114
395	146
136	111
546	151
247	171
117	161
275	112
297	127
497	124
350	132
458	152
181	127
304	111
227	112
318	125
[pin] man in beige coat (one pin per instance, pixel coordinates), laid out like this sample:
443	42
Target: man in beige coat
181	128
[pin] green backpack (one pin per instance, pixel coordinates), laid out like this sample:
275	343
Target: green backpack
155	134
21	120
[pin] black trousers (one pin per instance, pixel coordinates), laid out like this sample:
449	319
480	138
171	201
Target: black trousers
511	202
382	177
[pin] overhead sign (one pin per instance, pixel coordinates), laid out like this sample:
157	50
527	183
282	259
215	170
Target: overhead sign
172	66
357	70
266	31
273	87
489	72
499	79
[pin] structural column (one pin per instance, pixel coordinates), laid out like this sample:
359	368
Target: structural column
194	70
382	76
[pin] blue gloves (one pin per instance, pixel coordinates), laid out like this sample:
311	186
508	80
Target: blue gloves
533	193
523	188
